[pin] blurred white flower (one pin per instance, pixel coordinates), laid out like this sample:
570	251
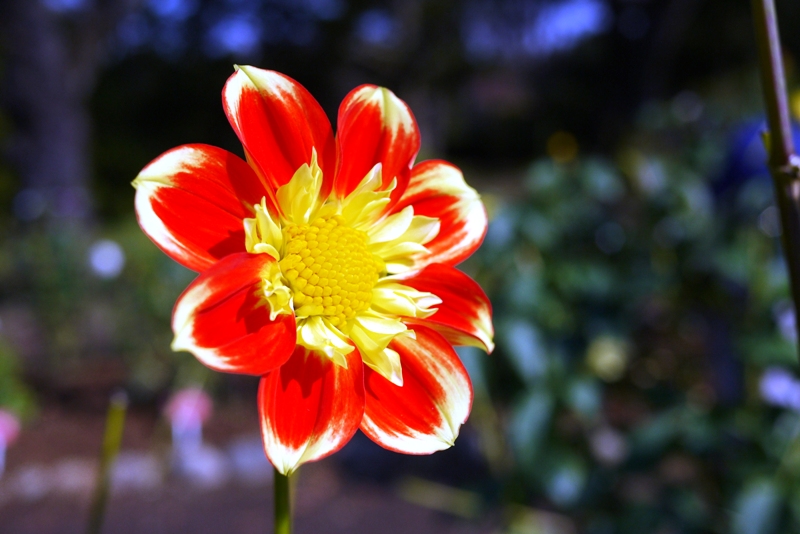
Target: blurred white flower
609	446
106	258
780	388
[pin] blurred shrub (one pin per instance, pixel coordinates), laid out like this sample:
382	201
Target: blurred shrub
91	310
637	302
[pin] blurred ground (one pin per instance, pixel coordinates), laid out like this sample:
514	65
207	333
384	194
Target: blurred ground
46	488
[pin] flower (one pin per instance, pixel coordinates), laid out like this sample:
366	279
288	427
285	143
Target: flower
326	268
9	428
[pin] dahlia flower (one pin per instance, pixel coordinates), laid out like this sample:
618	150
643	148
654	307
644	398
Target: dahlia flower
325	267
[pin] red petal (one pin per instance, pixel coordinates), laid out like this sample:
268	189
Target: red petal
465	315
437	189
310	408
191	201
375	127
279	123
224	324
425	414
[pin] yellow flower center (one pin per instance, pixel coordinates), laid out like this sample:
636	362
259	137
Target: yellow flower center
329	269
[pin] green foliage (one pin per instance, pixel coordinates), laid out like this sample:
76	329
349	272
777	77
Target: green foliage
93	330
14	394
635	308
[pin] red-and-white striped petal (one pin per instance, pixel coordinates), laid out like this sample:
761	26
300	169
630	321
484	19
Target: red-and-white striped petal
279	123
191	201
465	315
437	189
310	408
226	326
423	415
375	126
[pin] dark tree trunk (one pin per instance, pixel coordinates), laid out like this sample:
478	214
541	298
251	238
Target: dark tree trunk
50	64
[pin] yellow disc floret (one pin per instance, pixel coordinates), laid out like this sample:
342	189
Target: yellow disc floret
329	269
335	261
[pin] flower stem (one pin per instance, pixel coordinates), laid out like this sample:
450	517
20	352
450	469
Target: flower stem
784	165
112	439
283	512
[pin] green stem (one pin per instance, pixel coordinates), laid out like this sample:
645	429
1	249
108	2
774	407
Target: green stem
773	80
283	511
784	164
112	439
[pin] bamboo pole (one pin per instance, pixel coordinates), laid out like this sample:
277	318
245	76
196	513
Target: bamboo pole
784	165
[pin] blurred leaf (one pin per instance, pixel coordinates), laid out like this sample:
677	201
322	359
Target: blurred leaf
765	349
757	508
692	508
528	426
584	396
651	438
543	178
566	481
14	394
540	230
524	291
526	352
602	181
501	230
472	358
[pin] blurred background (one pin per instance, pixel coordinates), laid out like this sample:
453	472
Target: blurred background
645	378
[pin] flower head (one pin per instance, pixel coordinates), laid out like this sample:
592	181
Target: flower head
326	267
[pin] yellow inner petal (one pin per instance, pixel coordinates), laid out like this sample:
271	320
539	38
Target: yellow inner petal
334	261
